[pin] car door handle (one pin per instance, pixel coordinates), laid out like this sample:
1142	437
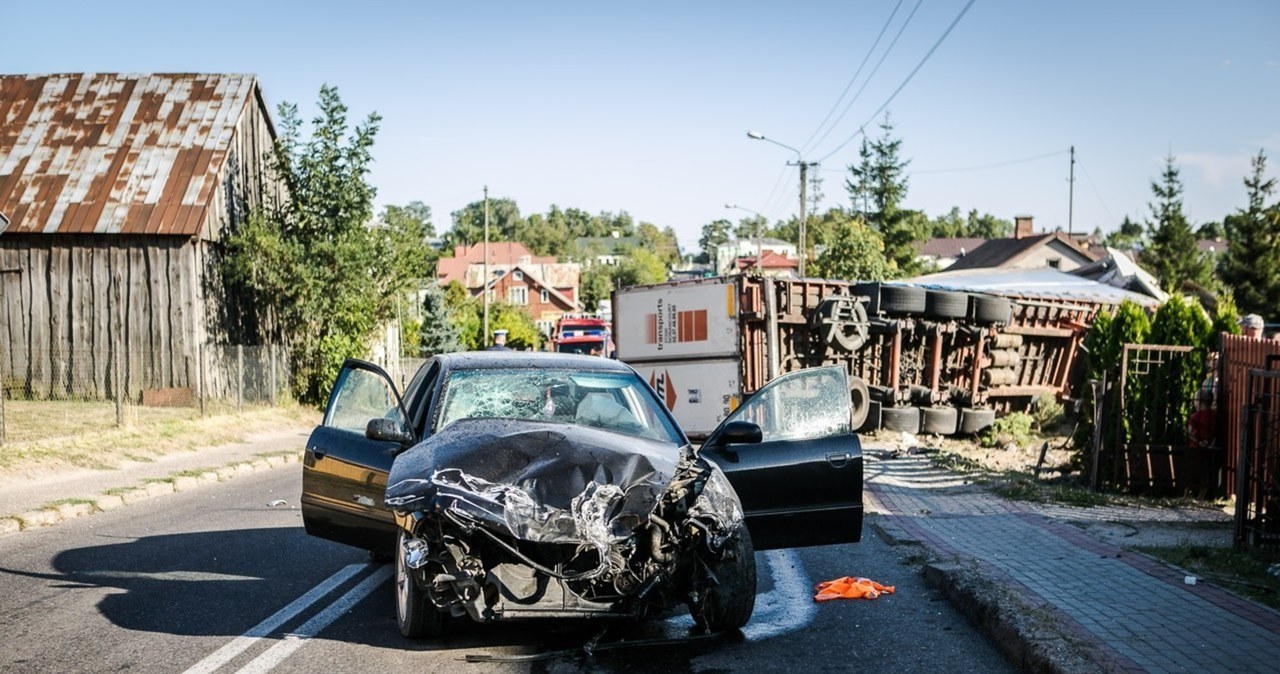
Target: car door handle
838	459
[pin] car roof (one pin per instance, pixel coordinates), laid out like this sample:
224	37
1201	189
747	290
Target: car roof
476	360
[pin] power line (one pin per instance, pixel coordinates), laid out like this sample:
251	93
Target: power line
853	79
1096	193
875	70
1011	162
904	82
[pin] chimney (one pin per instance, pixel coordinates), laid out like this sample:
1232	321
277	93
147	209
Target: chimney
1022	227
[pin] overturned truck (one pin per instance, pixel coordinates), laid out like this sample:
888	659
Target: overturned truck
920	359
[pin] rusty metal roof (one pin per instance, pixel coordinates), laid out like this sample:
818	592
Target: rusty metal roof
113	153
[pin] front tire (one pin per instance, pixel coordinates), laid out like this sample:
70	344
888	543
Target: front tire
415	615
729	600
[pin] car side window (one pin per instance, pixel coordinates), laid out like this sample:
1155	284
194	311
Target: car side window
361	395
804	405
417	397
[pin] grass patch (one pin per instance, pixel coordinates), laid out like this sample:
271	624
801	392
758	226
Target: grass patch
955	463
1240	571
66	501
118	491
106	446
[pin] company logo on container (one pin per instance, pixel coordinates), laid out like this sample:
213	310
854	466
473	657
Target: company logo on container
662	385
671	326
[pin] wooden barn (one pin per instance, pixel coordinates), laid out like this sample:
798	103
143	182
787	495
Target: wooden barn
117	189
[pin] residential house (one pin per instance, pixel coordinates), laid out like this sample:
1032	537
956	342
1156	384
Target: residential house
943	252
769	264
547	289
727	253
119	190
606	250
1026	250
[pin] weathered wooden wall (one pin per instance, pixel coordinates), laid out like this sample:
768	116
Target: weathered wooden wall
82	307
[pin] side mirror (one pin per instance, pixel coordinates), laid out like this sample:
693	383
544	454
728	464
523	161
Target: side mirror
741	432
390	430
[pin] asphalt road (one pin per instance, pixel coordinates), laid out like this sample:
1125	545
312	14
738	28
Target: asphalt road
216	579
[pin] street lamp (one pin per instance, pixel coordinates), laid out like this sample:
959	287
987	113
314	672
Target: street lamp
759	239
804	174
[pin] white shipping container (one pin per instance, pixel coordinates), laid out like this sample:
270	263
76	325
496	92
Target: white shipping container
699	394
667	322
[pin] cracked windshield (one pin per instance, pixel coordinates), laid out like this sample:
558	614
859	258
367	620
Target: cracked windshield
612	401
804	405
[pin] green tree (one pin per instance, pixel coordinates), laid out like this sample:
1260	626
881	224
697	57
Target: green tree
1127	237
714	233
438	332
877	187
662	242
310	271
468	222
856	253
595	284
1251	264
1211	230
1171	253
641	267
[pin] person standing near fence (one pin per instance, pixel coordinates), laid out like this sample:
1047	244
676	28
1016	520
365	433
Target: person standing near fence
1251	326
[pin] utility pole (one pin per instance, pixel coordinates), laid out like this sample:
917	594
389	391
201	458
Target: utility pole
804	179
1071	195
484	286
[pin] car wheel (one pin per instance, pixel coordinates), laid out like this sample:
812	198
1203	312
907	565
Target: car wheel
730	595
938	420
859	401
900	419
415	616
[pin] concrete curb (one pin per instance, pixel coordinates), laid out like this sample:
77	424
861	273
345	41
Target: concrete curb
142	491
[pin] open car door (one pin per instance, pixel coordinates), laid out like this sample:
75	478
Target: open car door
348	457
800	478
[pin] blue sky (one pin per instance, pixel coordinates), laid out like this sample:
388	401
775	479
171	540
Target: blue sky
644	107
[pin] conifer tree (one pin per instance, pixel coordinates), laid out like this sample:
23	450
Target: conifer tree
1251	265
1171	253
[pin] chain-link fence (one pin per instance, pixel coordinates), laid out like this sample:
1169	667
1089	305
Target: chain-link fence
52	393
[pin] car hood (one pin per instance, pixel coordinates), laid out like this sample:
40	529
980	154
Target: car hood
537	481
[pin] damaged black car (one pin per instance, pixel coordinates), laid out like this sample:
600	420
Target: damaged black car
511	485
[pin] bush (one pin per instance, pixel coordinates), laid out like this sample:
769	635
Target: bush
1014	427
1046	412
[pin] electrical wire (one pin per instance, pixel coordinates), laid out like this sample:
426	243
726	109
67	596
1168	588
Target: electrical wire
1111	218
858	72
875	70
1011	162
861	129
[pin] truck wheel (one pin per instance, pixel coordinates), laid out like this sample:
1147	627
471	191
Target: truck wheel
975	421
902	300
872	292
872	422
938	420
987	310
945	304
859	401
905	419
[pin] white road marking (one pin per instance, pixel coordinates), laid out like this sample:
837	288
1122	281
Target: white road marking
789	605
182	576
785	608
292	642
243	642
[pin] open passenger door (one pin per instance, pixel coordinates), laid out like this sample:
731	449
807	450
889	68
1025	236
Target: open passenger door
348	457
800	477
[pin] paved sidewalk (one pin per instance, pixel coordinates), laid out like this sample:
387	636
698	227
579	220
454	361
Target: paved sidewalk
23	500
1125	611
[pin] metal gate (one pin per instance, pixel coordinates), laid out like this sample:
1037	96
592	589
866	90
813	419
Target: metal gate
1156	453
1258	462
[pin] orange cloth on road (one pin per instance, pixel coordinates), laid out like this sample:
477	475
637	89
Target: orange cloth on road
850	588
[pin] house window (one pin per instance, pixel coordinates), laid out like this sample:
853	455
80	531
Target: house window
518	295
517	275
544	296
1055	262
